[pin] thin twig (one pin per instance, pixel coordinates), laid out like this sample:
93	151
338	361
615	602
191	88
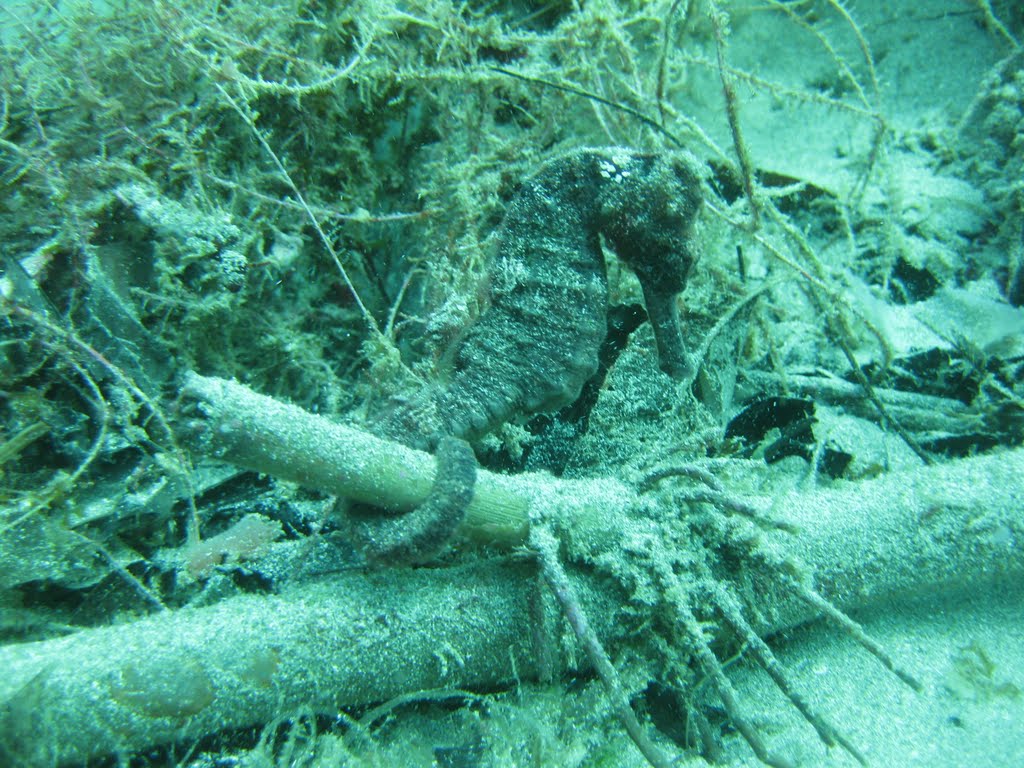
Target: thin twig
650	122
69	337
733	615
301	199
732	112
854	630
544	543
692	634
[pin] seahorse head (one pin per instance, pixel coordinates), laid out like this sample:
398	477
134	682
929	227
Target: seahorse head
648	206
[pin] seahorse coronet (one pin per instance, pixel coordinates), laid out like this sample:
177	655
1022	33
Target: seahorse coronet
537	342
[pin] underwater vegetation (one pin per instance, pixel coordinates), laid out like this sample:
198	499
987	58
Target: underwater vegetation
506	384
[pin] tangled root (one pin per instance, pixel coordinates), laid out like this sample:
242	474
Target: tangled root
693	569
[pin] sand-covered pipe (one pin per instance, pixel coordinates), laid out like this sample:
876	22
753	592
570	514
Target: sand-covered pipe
340	642
946	527
258	432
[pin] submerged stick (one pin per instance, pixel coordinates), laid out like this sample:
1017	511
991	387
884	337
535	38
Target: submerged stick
260	433
266	435
363	637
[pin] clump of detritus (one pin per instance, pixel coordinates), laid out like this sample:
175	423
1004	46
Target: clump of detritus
243	540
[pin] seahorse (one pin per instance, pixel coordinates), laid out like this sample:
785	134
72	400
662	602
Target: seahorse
537	342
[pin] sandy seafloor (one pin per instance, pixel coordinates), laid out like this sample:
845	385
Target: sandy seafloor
931	58
948	724
933	63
